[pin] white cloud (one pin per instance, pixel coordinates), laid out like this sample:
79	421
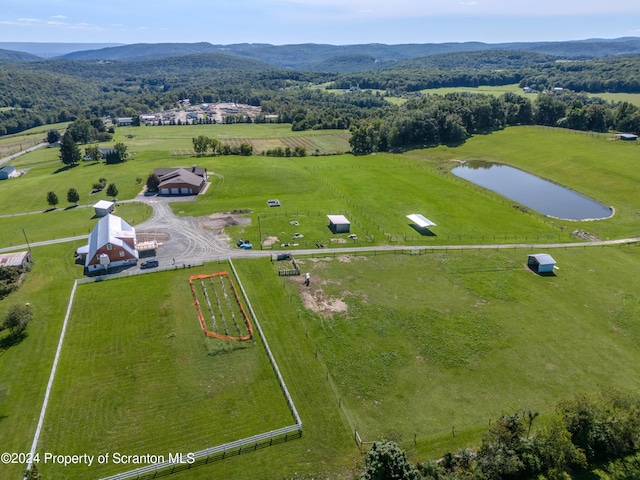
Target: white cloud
59	17
403	8
29	20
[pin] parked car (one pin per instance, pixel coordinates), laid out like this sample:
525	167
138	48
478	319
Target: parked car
152	262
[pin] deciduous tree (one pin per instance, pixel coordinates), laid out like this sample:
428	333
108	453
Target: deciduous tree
52	199
201	144
112	190
93	152
73	196
53	136
17	318
387	461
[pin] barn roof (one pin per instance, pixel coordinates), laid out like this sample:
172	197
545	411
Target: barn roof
110	229
14	259
180	176
161	172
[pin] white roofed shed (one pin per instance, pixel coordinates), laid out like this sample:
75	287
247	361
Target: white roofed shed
339	224
421	220
103	207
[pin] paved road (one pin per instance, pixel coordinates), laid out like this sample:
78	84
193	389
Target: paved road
11	157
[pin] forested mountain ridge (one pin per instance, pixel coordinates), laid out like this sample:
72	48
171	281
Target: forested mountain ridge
52	49
50	91
311	56
15	56
143	51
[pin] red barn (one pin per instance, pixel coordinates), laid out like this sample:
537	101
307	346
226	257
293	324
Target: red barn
112	243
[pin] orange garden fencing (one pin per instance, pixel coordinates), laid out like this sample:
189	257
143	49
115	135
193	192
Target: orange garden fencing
220	308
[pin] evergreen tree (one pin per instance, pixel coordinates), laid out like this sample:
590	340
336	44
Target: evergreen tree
153	180
69	151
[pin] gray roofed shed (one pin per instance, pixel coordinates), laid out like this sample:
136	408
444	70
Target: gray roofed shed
541	263
8	172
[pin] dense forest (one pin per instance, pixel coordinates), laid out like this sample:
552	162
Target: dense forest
34	93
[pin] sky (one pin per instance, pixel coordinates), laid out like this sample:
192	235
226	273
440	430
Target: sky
336	22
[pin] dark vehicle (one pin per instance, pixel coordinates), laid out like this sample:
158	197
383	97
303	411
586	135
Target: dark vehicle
149	263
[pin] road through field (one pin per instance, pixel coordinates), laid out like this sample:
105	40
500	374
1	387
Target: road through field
187	242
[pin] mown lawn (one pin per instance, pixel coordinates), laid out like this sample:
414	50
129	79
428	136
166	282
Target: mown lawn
137	375
440	343
377	191
486	89
598	167
25	365
62	223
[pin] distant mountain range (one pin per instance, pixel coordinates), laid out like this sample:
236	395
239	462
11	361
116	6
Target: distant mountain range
51	50
321	57
15	56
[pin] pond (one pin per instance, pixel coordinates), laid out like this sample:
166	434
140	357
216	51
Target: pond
533	192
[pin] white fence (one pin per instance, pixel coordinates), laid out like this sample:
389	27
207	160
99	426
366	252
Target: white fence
238	446
214	453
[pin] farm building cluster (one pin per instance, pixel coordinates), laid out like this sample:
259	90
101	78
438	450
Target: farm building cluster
188	114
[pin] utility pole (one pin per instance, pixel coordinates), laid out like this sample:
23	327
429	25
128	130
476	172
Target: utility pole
28	246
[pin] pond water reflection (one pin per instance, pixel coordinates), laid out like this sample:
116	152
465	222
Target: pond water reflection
540	195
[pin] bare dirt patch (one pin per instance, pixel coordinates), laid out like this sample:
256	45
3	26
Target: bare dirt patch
219	221
339	240
316	301
270	241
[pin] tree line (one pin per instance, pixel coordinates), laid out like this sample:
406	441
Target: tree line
76	90
586	432
452	118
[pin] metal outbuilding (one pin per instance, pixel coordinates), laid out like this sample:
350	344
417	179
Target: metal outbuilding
16	259
541	263
339	224
8	172
421	220
103	207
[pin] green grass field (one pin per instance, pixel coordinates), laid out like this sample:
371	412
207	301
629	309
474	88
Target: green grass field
397	346
139	376
25	366
379	191
458	339
489	90
62	223
633	98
